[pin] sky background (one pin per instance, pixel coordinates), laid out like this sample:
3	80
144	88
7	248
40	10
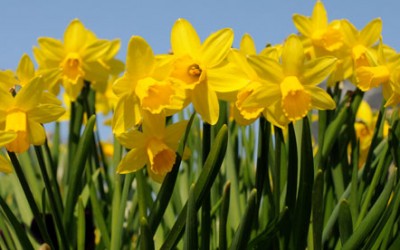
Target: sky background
267	21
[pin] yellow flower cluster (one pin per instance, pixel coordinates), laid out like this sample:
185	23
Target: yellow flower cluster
279	83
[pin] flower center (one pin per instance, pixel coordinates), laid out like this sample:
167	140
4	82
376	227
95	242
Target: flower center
157	95
296	102
161	157
72	67
186	70
359	56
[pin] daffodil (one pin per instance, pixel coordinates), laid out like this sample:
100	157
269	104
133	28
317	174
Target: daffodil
324	38
144	86
155	147
361	41
79	57
24	114
323	35
378	73
290	89
202	67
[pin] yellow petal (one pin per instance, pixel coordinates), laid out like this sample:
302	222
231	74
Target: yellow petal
364	113
96	51
274	114
134	160
227	78
216	47
153	124
7	79
139	58
317	70
320	99
16	120
303	24
7	137
5	165
350	33
267	68
247	45
184	39
37	133
73	88
371	32
52	49
124	85
26	70
263	96
205	102
75	36
292	56
29	96
173	134
131	139
46	113
126	115
241	62
319	16
6	99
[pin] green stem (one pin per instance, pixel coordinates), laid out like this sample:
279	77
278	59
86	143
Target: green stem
55	207
29	196
206	206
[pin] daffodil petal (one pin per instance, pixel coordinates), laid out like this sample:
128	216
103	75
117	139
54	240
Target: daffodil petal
319	16
29	96
227	78
247	45
153	124
46	113
36	133
96	50
7	137
267	68
320	99
131	139
371	32
52	49
274	114
134	160
263	96
303	24
124	85
139	58
184	39
317	70
216	47
26	70
205	102
292	56
6	99
126	114
74	36
173	134
350	32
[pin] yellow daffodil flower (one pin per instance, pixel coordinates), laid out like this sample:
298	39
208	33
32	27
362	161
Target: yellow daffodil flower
378	73
144	86
202	67
155	147
25	113
361	41
79	57
290	90
324	36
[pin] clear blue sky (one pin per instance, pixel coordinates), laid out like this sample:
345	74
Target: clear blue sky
22	22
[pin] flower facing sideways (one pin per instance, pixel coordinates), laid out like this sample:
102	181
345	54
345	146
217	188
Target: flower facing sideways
25	113
155	147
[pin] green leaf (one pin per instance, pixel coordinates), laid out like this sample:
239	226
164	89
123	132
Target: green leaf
242	234
81	232
191	241
146	240
203	184
318	209
224	216
345	221
367	224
